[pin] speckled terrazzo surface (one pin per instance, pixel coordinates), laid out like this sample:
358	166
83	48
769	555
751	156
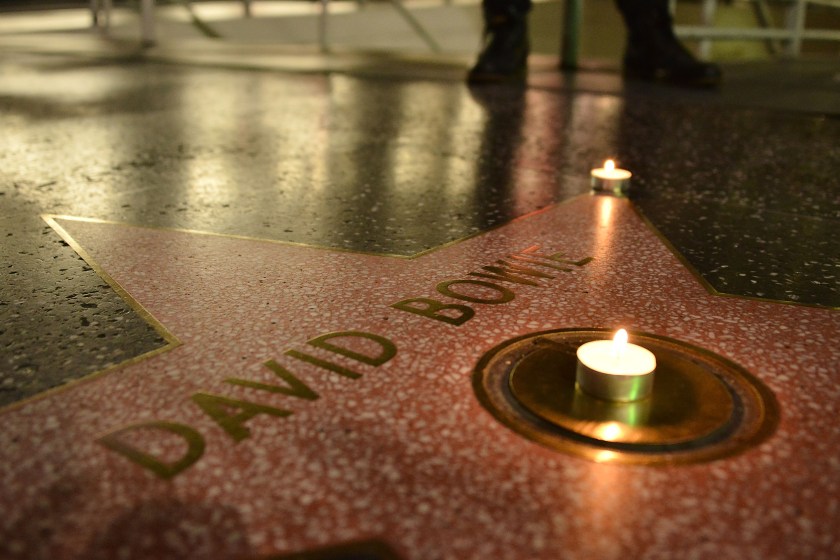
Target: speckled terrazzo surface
747	198
212	218
389	166
404	453
60	320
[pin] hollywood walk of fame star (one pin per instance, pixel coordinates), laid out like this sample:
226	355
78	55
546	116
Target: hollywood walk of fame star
403	450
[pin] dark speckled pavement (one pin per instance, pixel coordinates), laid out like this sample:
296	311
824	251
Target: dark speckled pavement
133	184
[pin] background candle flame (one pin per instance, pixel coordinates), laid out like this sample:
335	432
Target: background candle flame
609	165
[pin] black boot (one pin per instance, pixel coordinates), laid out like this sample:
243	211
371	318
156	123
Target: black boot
654	52
504	57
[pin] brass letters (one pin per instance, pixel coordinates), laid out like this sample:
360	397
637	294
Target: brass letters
505	295
294	386
218	408
476	291
232	415
432	309
195	447
503	273
387	348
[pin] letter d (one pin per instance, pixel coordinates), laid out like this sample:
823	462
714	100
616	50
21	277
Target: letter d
195	447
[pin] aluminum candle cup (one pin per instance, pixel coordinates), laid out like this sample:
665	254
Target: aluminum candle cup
608	179
615	370
630	413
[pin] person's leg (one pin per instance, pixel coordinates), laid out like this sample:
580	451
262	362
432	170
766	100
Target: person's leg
654	52
504	57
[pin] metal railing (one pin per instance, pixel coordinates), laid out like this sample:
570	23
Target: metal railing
785	38
101	12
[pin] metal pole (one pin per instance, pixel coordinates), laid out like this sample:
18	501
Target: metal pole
796	25
419	29
322	26
147	22
570	42
708	17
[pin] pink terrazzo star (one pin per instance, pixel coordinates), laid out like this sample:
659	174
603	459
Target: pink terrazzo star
389	443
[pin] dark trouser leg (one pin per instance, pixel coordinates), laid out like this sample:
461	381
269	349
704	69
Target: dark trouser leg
504	57
654	52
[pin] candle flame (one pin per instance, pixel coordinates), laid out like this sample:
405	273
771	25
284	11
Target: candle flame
609	165
619	343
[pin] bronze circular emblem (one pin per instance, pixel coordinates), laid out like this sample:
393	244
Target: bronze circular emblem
703	406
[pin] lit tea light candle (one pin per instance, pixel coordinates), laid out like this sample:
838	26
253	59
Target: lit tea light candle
615	370
610	179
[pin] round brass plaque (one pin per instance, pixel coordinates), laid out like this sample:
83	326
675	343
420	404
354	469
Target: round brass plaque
703	406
